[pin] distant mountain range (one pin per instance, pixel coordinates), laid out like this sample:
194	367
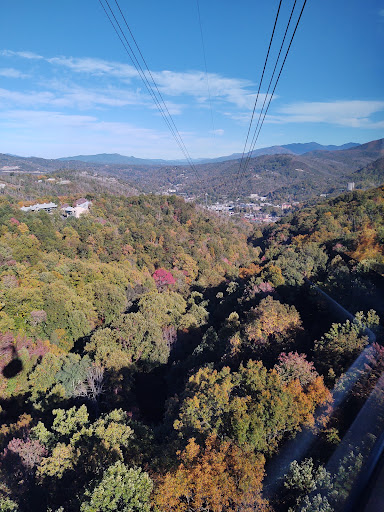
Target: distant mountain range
115	158
279	173
285	177
297	149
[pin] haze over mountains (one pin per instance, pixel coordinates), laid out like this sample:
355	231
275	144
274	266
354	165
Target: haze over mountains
285	176
297	149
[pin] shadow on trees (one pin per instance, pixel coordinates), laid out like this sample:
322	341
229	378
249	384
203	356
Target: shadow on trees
15	366
152	388
151	393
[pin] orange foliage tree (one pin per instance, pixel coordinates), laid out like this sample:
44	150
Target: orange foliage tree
215	478
252	406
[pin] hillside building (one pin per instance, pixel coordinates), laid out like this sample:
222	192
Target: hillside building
79	207
47	207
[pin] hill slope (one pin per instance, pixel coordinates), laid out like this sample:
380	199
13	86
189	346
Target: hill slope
115	158
278	176
370	176
286	176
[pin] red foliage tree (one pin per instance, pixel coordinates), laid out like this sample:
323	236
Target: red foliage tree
30	452
294	366
163	279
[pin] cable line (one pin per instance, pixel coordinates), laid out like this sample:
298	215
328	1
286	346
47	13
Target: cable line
249	156
153	81
258	91
186	153
137	66
274	88
159	100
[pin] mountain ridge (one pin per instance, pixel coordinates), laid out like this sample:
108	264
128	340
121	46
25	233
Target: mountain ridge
287	177
295	148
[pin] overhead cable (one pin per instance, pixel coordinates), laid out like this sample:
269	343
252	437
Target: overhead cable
153	90
249	156
258	91
273	92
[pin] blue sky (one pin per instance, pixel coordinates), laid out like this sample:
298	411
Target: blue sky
67	86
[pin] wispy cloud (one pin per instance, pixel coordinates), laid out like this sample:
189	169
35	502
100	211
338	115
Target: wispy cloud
24	55
354	114
237	92
32	118
194	83
21	99
170	83
12	73
80	105
95	67
72	97
81	98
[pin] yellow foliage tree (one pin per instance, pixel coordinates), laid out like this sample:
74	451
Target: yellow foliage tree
215	478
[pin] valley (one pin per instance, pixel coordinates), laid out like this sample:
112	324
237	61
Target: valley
279	177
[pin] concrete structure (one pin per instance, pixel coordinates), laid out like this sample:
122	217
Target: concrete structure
47	207
257	197
67	210
79	207
351	186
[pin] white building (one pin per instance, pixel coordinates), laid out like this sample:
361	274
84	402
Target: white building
79	207
257	197
47	207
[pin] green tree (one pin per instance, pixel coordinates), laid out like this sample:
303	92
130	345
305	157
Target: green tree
302	481
73	371
8	505
343	342
75	443
66	310
109	300
121	489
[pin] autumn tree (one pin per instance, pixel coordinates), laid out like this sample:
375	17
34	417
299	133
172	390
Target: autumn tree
272	324
294	366
163	279
19	461
251	406
216	477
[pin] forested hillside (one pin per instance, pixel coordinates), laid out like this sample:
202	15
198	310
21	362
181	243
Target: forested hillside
61	186
284	177
156	357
